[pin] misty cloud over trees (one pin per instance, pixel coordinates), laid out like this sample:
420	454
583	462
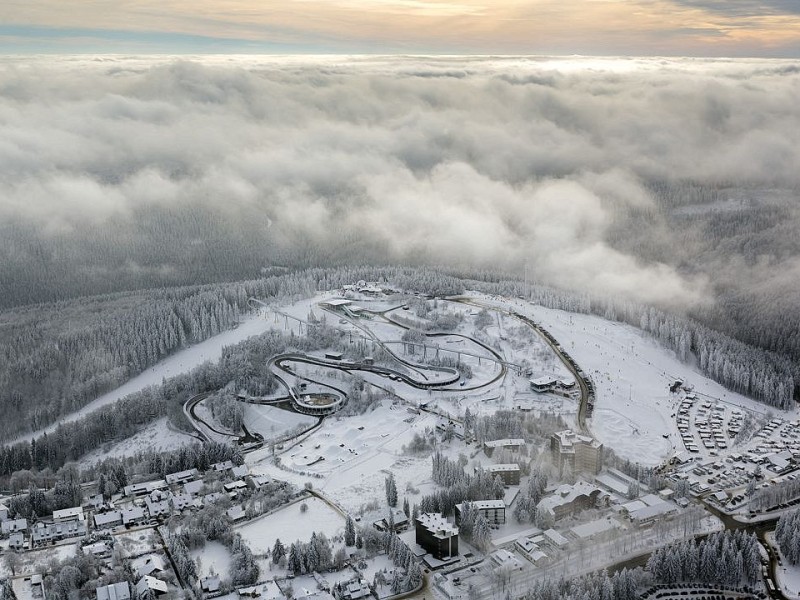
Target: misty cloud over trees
668	182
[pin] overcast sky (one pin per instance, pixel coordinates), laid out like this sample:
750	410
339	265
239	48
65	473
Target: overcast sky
758	28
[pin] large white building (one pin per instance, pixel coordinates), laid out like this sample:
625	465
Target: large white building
571	499
579	453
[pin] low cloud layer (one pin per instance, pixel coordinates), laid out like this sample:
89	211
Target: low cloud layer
486	163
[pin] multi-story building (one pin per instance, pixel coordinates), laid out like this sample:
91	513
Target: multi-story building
571	499
494	511
509	473
436	535
514	445
581	453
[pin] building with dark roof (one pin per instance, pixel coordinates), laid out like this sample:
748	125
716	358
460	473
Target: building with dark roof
436	535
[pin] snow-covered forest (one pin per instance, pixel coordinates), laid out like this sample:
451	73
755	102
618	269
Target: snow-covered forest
727	558
787	534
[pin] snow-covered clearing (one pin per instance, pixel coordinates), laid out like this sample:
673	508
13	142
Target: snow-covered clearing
291	524
213	557
180	362
32	562
358	453
139	541
157	436
271	422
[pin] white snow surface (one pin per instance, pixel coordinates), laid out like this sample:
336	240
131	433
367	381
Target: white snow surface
213	557
290	524
157	436
787	574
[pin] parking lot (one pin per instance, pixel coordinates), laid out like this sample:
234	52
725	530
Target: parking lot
714	460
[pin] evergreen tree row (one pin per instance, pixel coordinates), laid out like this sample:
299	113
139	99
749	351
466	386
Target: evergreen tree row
787	534
727	558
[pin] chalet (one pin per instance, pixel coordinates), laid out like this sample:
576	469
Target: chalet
504	559
115	591
16	541
157	503
13	526
193	488
140	489
532	551
68	514
133	516
264	591
181	502
147	587
240	472
182	476
107	519
355	589
234	486
225	465
210	585
236	514
98	550
147	565
397	516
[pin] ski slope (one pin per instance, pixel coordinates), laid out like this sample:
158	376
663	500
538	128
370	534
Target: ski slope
632	372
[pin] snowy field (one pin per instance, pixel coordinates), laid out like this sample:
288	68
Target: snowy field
31	562
212	558
157	436
137	542
271	422
180	362
357	454
290	524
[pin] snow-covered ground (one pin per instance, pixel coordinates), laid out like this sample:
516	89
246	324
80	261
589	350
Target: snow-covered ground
180	362
31	562
787	574
157	436
138	541
357	454
212	558
271	422
291	524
